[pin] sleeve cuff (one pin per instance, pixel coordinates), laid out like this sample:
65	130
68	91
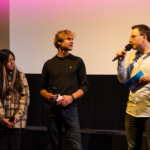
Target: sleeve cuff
84	89
17	117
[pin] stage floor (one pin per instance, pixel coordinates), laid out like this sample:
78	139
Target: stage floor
36	138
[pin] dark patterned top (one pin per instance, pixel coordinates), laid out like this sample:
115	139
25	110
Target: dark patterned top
16	104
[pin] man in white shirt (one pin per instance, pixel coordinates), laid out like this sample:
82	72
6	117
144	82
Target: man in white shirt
138	107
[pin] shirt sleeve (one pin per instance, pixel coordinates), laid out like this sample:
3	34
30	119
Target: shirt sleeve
121	72
124	71
82	78
44	78
24	100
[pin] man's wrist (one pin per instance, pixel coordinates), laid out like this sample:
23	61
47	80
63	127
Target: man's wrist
45	94
72	97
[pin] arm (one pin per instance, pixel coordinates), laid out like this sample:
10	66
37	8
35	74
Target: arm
44	81
49	96
7	123
78	94
83	86
24	100
121	72
43	85
68	99
3	120
82	77
124	71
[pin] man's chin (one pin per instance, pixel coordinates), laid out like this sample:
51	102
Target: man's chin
134	48
68	49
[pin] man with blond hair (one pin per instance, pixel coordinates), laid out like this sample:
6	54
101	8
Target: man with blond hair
63	81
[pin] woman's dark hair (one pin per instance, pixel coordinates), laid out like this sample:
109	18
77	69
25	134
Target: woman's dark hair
16	81
3	60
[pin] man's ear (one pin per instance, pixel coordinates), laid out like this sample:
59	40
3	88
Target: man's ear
59	43
144	37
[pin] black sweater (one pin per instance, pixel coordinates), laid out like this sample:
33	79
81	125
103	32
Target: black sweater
68	74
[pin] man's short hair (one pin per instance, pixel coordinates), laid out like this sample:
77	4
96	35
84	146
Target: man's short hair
143	30
61	35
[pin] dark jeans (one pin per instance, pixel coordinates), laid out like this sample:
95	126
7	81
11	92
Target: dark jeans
10	139
57	115
135	127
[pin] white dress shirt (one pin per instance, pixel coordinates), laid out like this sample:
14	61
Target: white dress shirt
139	102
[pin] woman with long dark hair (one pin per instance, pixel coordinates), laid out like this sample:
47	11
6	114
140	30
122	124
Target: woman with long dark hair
14	101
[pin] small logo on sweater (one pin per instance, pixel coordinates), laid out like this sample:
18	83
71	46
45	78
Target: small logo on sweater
70	67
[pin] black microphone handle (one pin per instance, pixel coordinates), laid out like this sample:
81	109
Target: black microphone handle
54	91
128	47
120	55
11	119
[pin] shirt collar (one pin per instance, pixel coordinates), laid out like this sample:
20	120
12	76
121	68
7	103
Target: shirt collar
139	54
10	73
148	52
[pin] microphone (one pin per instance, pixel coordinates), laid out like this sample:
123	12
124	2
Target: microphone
11	119
127	48
54	91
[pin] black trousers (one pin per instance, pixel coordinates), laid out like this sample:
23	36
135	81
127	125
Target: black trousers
57	115
135	127
10	139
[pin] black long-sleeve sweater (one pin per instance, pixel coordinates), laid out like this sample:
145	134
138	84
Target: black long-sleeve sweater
68	74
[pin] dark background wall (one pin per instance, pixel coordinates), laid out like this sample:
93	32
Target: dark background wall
102	107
